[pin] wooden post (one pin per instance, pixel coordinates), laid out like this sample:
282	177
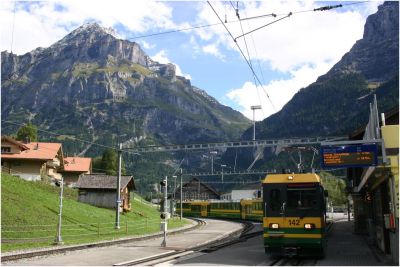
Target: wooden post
126	224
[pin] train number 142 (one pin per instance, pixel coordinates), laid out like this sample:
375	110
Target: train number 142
294	222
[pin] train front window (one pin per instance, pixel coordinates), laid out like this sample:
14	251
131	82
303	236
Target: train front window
301	198
275	200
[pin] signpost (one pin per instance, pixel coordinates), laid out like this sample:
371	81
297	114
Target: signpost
349	156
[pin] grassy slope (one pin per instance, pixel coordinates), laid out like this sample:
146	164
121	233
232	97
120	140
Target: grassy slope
30	210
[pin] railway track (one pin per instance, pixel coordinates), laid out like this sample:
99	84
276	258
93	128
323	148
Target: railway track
239	236
283	261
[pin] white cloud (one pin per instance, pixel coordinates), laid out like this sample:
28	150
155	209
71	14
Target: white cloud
212	49
146	45
302	38
162	58
44	22
279	91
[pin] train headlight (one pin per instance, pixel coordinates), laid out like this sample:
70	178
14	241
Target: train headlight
309	226
274	225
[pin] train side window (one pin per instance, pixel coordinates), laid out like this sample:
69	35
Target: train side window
275	199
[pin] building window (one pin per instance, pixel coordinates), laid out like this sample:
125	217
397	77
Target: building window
5	149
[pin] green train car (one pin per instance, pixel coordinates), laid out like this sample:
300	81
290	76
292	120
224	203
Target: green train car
294	216
245	209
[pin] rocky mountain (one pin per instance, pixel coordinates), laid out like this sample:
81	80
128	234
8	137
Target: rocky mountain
97	87
338	102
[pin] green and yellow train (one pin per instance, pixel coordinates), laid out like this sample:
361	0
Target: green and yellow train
292	210
294	215
245	209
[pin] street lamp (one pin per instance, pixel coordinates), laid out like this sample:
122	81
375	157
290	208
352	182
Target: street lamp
212	160
254	120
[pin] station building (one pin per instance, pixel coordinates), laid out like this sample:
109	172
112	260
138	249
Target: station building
375	189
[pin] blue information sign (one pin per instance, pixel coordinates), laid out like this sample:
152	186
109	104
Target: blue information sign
349	156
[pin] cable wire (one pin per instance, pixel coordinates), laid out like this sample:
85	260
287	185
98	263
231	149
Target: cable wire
248	63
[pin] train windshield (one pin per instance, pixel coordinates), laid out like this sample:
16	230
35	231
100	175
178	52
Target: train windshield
296	199
301	198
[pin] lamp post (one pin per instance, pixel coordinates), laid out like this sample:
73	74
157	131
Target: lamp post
254	120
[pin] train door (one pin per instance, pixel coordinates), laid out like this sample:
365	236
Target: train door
203	210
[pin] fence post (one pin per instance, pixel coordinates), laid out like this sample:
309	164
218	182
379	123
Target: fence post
98	230
126	224
146	225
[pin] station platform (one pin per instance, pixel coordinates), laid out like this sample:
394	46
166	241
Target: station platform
123	254
348	249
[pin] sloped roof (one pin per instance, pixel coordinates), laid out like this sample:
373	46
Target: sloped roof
13	141
77	164
36	150
202	183
102	181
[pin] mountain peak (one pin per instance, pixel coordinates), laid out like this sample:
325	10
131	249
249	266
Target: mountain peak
94	27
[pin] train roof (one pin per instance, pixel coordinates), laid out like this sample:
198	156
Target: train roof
292	178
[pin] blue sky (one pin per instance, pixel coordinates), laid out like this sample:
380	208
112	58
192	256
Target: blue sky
286	56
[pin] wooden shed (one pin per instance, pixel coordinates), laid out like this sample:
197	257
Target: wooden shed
100	190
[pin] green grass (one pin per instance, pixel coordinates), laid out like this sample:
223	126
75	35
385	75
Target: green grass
29	217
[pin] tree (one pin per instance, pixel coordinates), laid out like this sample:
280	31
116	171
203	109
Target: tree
109	162
27	132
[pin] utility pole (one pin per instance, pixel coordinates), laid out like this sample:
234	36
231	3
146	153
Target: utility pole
181	192
174	202
212	160
164	214
222	176
58	240
118	201
254	120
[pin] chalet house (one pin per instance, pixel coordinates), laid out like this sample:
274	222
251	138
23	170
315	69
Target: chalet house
195	189
31	161
74	167
100	190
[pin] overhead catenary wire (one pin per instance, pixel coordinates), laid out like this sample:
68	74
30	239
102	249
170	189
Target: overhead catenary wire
73	138
241	51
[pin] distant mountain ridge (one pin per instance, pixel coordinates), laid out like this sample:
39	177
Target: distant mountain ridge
92	85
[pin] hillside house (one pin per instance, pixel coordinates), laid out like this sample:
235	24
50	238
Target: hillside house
75	167
100	190
31	161
195	189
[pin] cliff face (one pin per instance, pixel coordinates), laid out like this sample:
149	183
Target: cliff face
93	85
375	56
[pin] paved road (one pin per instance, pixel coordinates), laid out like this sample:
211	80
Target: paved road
214	229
